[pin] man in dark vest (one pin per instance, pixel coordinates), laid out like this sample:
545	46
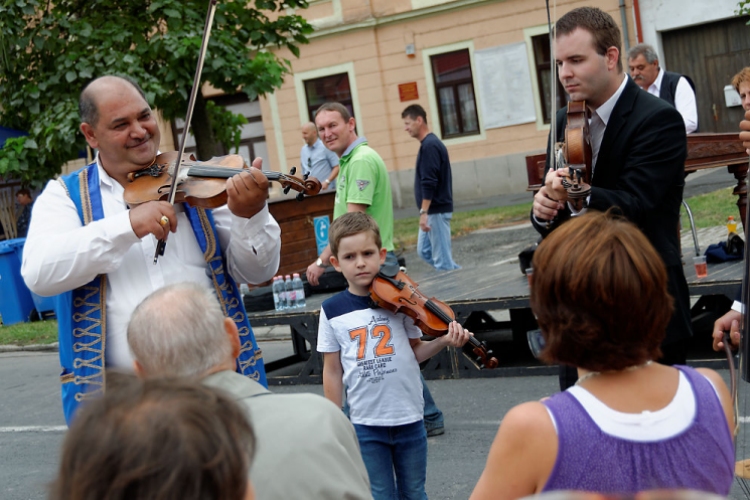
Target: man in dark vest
676	89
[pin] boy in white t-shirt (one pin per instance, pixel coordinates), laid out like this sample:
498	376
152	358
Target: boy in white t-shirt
376	354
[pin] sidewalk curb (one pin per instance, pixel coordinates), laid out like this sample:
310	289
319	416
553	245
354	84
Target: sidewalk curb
53	347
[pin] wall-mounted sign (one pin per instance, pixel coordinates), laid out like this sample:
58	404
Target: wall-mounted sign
408	91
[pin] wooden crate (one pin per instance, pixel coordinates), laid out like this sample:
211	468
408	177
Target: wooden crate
298	247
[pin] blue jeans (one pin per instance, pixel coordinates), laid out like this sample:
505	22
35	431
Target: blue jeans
434	246
396	460
433	417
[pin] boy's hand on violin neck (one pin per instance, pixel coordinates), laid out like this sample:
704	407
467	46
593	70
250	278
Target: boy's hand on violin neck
247	192
456	336
148	218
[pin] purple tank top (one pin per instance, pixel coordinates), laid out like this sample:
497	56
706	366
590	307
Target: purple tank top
700	458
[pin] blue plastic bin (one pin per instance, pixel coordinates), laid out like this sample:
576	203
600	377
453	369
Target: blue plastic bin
16	303
45	306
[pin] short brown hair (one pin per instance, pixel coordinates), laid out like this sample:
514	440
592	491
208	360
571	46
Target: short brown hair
335	106
742	77
599	291
159	439
349	224
597	22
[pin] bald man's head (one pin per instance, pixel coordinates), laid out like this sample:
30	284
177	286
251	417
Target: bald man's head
309	133
87	102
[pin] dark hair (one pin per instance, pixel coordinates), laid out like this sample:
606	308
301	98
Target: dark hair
599	291
334	106
597	22
156	439
742	77
87	106
414	111
349	224
23	192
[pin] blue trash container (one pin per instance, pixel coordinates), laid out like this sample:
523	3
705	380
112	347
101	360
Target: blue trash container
16	303
45	306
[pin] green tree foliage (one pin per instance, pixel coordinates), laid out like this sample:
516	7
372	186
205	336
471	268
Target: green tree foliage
50	50
743	8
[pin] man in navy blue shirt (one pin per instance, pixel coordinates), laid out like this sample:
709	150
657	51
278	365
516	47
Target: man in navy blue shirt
433	192
317	160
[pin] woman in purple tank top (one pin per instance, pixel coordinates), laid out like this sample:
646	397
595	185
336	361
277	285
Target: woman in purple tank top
628	425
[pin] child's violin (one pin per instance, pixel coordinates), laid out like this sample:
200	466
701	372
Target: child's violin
399	294
201	183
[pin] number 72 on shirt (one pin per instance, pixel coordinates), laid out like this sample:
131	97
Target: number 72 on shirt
380	333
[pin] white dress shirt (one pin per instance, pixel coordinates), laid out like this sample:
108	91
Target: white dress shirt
684	100
61	254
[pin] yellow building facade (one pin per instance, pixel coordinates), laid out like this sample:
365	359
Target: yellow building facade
480	69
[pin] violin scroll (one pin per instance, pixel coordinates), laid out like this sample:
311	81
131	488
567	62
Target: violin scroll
577	154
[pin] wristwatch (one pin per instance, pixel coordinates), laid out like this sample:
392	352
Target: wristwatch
319	263
422	211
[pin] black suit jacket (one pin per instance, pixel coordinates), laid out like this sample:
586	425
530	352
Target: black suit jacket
640	169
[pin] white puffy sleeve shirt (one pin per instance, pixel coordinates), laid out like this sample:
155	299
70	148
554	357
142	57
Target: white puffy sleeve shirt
61	254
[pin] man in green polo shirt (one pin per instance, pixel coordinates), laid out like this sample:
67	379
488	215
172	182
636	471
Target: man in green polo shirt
362	185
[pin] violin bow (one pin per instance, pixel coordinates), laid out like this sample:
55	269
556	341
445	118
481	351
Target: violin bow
162	244
552	88
742	467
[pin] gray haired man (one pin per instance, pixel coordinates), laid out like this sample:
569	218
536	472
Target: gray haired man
674	88
306	447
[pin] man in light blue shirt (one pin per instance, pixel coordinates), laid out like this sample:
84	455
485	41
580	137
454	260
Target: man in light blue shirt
317	160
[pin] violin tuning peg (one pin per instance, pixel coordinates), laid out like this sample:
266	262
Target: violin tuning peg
300	196
286	189
293	170
306	176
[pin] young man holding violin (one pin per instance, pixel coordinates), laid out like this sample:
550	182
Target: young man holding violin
87	245
638	154
376	354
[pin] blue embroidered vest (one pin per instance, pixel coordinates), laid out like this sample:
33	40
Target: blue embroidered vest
81	313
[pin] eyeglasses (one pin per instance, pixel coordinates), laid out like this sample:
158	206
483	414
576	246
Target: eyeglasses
309	163
536	342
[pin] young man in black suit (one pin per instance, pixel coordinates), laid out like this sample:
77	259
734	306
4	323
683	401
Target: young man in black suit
638	150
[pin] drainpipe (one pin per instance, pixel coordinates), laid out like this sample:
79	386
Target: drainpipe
637	15
624	17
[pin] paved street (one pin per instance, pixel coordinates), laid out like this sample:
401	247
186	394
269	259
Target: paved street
32	426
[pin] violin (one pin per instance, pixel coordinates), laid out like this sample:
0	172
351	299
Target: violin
399	294
577	154
201	183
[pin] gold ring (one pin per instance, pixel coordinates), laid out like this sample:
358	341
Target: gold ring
164	221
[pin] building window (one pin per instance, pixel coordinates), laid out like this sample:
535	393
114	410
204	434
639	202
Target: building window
454	87
542	61
253	137
332	88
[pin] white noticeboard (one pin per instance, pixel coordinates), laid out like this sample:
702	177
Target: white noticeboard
504	84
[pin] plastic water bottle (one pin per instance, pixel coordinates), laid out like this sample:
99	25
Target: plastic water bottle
299	291
289	288
278	299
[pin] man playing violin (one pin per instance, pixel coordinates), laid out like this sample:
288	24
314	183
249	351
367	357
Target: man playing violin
638	153
86	244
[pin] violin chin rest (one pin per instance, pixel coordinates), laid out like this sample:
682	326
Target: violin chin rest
389	270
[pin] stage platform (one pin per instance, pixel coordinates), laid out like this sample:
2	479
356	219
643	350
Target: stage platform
492	301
